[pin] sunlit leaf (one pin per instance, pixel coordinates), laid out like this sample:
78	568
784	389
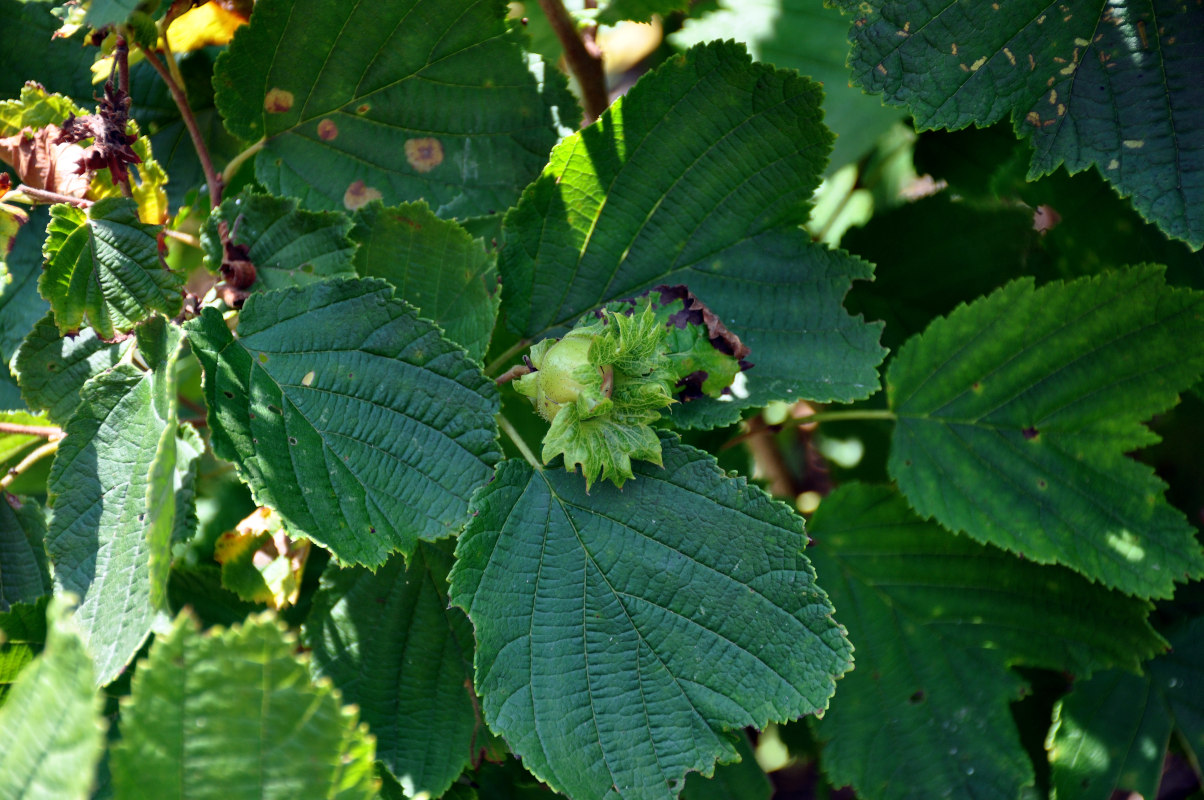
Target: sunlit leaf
938	620
1016	411
1105	84
619	633
24	573
392	645
663	188
436	265
99	489
103	266
349	415
811	37
52	368
288	246
413	99
51	732
232	714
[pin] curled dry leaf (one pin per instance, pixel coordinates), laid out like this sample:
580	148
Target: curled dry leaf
42	162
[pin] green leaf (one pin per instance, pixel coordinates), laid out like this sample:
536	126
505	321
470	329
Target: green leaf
170	498
20	266
288	247
51	732
639	10
349	415
743	780
415	99
35	108
812	38
110	12
909	724
100	488
620	633
52	368
699	176
436	265
1111	732
24	572
1109	85
1180	676
22	637
232	714
1015	412
104	265
391	644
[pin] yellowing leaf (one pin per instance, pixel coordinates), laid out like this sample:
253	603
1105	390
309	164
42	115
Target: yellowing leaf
260	563
148	189
210	24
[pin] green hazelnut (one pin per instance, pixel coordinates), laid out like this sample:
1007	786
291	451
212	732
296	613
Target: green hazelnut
557	373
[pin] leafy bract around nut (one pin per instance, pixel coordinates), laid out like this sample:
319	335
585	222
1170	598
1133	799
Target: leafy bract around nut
605	383
601	387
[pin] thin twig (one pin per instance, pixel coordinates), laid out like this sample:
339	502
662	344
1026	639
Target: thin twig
53	197
510	431
517	371
198	141
45	431
186	238
27	462
584	61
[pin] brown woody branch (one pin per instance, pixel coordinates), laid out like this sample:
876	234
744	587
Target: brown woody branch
583	57
212	178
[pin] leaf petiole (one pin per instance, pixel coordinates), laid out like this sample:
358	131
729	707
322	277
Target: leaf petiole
514	436
236	162
839	415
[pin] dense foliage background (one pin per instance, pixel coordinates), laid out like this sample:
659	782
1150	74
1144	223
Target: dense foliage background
275	522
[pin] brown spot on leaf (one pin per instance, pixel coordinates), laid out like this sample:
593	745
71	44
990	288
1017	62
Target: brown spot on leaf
424	154
277	101
363	108
1029	433
327	130
359	195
